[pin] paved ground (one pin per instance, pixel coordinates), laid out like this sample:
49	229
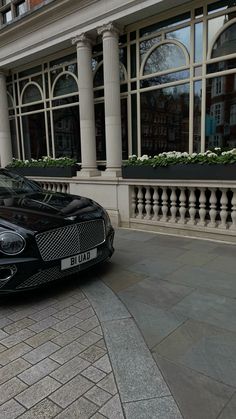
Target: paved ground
150	335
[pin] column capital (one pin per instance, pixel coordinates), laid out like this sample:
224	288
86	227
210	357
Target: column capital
109	28
82	40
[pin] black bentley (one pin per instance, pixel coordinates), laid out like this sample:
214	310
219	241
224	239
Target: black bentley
46	236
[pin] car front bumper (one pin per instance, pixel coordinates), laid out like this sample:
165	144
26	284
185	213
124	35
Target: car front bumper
31	273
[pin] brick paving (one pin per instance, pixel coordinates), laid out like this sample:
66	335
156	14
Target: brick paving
54	362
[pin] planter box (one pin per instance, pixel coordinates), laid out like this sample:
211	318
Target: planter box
67	171
182	171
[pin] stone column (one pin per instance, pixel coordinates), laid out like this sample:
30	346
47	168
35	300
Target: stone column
111	66
5	133
86	106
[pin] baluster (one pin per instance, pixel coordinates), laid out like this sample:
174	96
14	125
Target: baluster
173	205
140	203
223	209
164	204
133	202
63	187
233	211
148	206
156	206
213	212
192	207
182	209
202	210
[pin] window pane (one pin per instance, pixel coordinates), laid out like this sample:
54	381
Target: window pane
165	78
34	136
98	78
198	36
164	57
6	17
67	132
21	8
214	25
220	107
197	117
168	23
31	94
100	131
220	5
14	138
221	66
165	120
182	35
124	128
65	84
226	42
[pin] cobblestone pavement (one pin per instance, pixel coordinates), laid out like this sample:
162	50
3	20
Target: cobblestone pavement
54	361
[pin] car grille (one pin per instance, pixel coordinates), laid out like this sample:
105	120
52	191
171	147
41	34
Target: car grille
53	273
70	240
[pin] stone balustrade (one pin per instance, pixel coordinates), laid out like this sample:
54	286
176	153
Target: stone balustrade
195	206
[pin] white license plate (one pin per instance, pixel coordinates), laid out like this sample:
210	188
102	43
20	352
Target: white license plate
78	259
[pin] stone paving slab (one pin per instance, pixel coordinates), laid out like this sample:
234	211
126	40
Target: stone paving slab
49	366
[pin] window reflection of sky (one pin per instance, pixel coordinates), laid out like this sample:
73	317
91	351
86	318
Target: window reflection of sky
182	35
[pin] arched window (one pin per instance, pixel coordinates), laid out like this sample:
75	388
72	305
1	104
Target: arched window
65	85
31	94
225	43
164	57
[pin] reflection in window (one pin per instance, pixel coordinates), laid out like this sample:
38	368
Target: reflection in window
165	120
100	131
225	44
214	25
198	37
66	84
31	94
165	78
197	117
14	139
145	46
182	35
164	57
98	78
220	111
168	23
34	135
233	114
66	125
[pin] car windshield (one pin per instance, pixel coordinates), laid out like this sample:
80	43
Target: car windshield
12	184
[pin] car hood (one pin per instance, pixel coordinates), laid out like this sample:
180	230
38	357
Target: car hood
44	210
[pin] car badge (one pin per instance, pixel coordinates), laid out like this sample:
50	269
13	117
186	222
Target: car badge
71	218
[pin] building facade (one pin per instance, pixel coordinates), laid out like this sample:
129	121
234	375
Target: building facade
99	81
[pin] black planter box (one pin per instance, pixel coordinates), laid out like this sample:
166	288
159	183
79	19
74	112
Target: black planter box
67	171
182	171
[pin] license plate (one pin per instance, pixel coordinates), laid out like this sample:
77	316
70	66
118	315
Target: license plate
78	259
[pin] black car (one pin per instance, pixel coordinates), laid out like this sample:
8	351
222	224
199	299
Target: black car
46	236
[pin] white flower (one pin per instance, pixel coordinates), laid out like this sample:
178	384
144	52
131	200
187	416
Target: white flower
193	154
144	157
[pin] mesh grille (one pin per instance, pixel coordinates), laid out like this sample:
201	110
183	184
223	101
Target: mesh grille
70	240
51	274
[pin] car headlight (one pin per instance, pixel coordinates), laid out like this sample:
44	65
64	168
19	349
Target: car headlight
107	221
11	243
